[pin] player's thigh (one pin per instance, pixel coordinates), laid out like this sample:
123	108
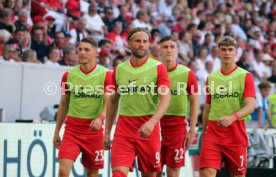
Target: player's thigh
175	150
65	166
208	172
235	159
93	153
92	173
173	172
210	156
123	152
148	155
69	148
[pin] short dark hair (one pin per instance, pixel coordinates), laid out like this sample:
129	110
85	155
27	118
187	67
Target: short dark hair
91	41
167	38
103	42
264	85
136	30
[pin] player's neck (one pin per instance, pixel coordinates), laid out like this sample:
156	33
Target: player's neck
137	61
88	67
228	67
170	65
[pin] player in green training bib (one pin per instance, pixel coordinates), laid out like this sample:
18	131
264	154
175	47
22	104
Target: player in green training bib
230	100
139	83
176	139
82	104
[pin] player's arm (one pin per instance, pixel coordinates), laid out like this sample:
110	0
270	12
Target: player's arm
62	109
97	123
206	109
146	129
111	107
205	116
193	120
61	115
249	96
163	85
192	90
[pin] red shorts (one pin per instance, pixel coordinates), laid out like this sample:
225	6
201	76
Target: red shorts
86	141
124	150
234	157
173	150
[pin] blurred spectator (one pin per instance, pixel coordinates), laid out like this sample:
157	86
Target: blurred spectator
124	17
103	59
73	8
154	52
258	67
154	40
10	53
214	57
204	73
95	25
38	44
5	20
108	18
201	58
78	33
70	57
4	37
244	61
59	42
180	25
23	16
54	56
26	43
29	56
272	78
18	37
193	65
196	42
185	46
165	27
119	43
208	42
267	60
261	117
142	19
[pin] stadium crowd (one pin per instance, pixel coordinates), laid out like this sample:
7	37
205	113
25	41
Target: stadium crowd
48	31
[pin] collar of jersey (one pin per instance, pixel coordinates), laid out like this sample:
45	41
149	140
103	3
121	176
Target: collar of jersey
144	61
174	68
225	74
89	72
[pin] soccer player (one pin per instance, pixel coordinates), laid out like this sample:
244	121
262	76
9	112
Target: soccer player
83	104
184	88
230	100
139	82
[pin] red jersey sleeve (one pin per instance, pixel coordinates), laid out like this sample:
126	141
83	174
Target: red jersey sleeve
113	85
64	87
192	86
162	76
208	95
249	87
107	81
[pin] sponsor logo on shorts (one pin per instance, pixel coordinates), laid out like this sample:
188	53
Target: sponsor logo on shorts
240	169
156	166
